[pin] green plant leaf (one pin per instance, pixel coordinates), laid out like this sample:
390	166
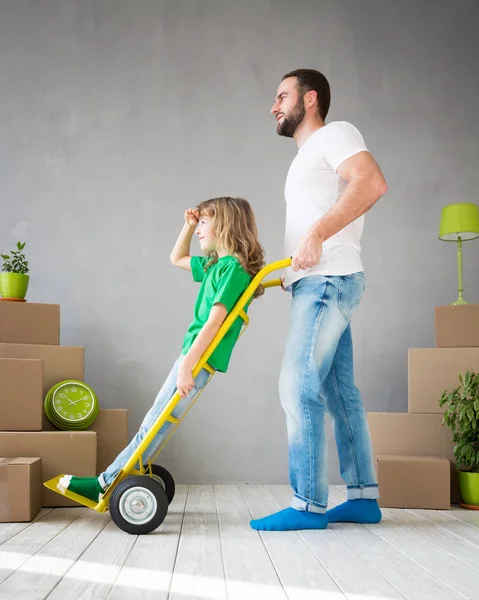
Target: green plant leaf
467	378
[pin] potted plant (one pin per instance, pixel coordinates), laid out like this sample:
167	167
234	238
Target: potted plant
461	415
13	278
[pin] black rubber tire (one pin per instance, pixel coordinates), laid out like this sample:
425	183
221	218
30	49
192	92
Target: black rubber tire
166	478
150	486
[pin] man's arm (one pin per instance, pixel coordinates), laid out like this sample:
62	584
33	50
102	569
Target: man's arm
185	381
366	184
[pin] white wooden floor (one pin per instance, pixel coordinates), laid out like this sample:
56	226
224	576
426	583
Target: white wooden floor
205	549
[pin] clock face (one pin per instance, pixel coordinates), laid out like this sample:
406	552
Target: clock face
73	402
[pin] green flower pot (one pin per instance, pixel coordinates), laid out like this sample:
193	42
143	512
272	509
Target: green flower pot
469	484
13	285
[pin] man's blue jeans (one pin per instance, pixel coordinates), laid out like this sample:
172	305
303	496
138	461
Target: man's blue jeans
317	375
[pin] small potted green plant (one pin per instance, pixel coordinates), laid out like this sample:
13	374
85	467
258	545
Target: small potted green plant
461	415
13	278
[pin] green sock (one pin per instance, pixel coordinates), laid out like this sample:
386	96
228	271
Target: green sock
89	487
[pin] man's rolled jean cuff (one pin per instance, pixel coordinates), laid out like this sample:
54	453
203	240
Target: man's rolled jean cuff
363	492
307	505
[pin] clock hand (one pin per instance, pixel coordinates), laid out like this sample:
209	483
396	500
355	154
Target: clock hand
82	398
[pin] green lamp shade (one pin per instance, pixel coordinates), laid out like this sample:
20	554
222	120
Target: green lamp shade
71	405
459	221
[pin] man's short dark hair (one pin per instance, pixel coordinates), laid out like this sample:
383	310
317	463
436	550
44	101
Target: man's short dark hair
308	80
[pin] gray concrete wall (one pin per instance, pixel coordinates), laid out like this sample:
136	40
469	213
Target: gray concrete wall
115	116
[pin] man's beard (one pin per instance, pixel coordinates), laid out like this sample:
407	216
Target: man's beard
290	123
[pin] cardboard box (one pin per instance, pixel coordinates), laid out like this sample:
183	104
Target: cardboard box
457	326
414	481
29	323
20	489
72	453
111	428
411	434
431	371
59	362
21	394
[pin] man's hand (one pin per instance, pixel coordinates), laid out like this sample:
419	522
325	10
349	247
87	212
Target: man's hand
308	253
184	380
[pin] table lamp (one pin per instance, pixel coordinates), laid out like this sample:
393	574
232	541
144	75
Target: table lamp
459	223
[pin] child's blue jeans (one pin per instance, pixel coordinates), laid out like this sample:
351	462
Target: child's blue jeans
162	399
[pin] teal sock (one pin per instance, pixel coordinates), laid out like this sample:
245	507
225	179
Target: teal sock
362	510
89	487
291	519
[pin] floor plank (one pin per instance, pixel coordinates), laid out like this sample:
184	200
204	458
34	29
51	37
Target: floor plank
20	548
147	572
9	530
199	571
447	522
401	571
471	517
457	548
37	577
92	576
424	547
248	569
337	495
435	560
301	573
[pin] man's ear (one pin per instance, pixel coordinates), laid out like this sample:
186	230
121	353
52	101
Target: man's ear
310	98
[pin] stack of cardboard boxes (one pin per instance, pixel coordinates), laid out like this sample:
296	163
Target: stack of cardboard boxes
413	451
32	450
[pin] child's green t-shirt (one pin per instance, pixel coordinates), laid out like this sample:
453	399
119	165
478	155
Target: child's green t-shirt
223	282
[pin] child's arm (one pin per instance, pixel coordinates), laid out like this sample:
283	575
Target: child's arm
185	381
180	255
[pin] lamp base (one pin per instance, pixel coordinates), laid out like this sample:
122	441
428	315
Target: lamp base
459	302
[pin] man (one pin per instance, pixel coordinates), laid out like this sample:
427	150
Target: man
332	182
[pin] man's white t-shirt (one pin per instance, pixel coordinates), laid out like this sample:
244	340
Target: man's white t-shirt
312	188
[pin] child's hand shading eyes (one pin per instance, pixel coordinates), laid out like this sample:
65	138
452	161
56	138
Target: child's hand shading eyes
192	216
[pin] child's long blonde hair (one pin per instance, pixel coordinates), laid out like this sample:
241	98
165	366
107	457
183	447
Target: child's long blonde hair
235	229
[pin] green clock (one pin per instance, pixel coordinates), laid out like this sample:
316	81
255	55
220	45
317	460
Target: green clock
71	405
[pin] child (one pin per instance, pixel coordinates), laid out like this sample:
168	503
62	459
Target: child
227	233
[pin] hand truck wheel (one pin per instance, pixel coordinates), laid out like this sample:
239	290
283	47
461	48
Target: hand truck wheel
138	504
165	478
